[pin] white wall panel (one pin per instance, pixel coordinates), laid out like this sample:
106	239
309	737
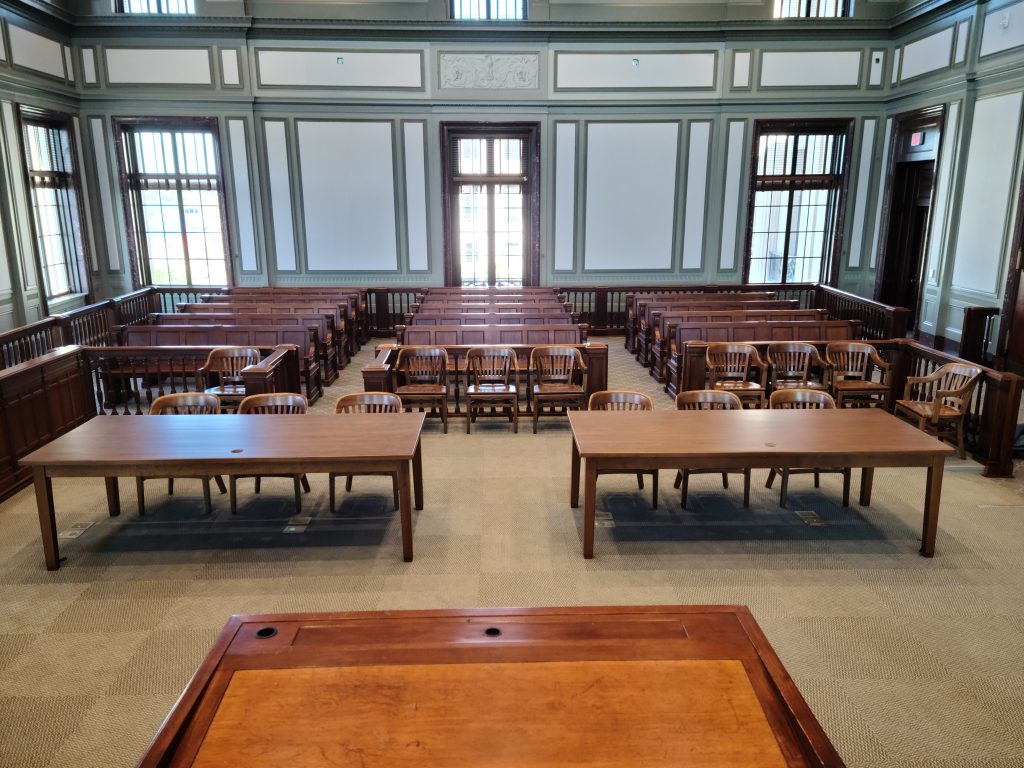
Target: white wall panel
731	203
927	54
565	195
5	268
988	182
416	194
243	194
99	150
3	45
357	69
280	194
156	66
940	210
1002	29
864	178
89	65
348	195
631	182
35	51
635	70
963	31
741	69
69	68
229	66
895	65
877	69
694	206
810	68
882	174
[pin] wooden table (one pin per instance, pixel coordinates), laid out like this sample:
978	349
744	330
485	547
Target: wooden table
191	446
694	686
856	437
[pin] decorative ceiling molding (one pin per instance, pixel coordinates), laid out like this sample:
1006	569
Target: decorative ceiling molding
490	71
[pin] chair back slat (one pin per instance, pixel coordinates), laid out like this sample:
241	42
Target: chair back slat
185	403
708	400
368	402
492	365
800	399
274	403
423	365
619	400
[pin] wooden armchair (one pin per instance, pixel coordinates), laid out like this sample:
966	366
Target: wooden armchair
939	402
729	367
366	402
622	400
183	403
792	365
273	403
556	371
225	364
710	400
424	373
492	376
804	399
851	367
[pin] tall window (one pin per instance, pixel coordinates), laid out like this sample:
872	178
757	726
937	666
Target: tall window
488	10
799	175
53	187
173	193
156	6
813	9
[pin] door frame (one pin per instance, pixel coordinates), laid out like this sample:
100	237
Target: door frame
531	133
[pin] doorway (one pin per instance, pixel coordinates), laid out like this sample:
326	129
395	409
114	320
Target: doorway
491	204
911	188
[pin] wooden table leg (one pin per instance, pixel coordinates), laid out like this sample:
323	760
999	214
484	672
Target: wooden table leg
113	496
417	474
405	510
932	497
589	507
867	477
47	518
574	478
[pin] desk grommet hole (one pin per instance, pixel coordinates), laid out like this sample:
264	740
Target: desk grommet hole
236	450
492	632
265	633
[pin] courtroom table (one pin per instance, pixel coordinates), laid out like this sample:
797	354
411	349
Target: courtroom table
230	444
850	437
500	688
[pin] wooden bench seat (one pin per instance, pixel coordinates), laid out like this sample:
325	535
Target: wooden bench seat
305	338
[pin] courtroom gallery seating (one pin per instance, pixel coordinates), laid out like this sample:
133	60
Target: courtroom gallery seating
274	403
622	400
793	365
804	399
365	402
851	367
729	368
423	372
225	364
492	374
560	379
939	402
182	403
710	400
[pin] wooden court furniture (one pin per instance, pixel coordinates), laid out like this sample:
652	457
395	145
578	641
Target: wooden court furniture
939	402
710	400
366	402
607	687
763	438
423	372
224	365
183	403
187	446
797	400
851	369
560	379
730	368
492	381
490	318
478	335
624	400
793	365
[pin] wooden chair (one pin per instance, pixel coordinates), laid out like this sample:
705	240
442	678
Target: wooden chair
710	400
366	402
183	403
851	366
270	404
792	363
623	400
492	376
804	399
729	369
939	402
424	371
556	370
226	364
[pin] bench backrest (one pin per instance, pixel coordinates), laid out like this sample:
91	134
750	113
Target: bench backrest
786	330
468	335
429	317
306	339
669	320
323	322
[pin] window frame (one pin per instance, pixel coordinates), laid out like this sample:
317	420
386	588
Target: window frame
845	8
75	243
829	272
488	18
119	7
137	251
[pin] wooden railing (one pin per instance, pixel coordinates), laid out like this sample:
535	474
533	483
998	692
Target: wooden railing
92	325
28	342
879	321
386	308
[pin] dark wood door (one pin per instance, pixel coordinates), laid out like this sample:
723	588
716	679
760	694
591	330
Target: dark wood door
907	237
1015	341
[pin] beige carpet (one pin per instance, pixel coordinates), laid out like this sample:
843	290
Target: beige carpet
906	661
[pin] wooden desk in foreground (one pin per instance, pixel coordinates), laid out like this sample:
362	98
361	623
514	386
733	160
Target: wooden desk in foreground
855	437
502	688
193	446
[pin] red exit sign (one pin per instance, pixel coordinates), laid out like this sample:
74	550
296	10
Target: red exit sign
917	138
